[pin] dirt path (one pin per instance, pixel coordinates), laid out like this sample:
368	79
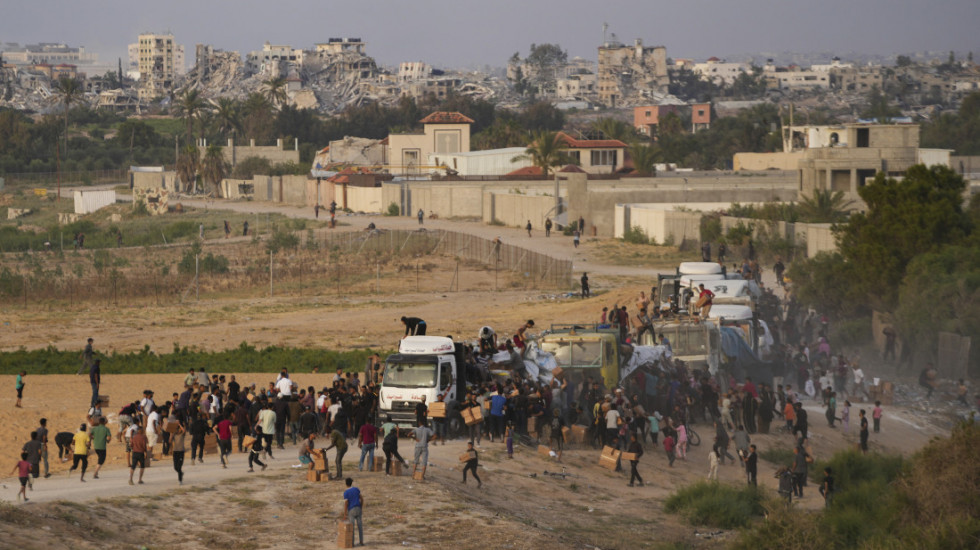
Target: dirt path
557	245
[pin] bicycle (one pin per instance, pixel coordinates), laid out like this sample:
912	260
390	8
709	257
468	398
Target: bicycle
693	439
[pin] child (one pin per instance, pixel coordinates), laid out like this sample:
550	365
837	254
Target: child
23	469
713	464
472	463
256	451
682	441
509	438
876	415
669	447
845	416
20	388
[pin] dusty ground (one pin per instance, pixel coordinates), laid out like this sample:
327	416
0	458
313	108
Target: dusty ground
278	508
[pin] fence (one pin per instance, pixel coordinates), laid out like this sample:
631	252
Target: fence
540	270
80	177
326	263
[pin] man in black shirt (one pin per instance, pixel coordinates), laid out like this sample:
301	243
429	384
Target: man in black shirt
414	326
95	378
827	487
752	465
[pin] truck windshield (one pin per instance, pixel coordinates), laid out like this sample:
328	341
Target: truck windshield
688	341
410	375
575	353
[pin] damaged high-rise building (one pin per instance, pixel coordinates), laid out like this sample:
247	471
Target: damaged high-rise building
630	73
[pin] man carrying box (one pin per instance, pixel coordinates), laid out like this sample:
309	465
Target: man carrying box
353	504
636	450
471	463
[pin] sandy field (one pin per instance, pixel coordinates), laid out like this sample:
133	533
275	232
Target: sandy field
278	508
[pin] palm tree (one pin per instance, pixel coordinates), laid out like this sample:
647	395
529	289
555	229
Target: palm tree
645	157
214	168
275	90
227	116
190	105
546	152
70	91
187	166
615	129
824	206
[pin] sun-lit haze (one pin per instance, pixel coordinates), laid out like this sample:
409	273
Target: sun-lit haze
463	33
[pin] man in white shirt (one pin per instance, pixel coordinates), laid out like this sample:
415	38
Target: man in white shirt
285	386
612	424
859	381
147	404
127	436
152	433
332	411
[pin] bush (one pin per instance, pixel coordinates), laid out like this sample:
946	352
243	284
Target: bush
569	229
853	332
711	228
244	358
716	504
636	235
207	264
393	209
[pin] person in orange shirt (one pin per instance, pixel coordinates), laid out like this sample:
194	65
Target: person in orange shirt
789	413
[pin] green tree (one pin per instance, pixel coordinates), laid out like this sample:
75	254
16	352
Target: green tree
188	164
214	168
190	106
903	61
904	219
257	118
824	206
645	157
613	128
275	91
878	107
546	152
70	91
227	116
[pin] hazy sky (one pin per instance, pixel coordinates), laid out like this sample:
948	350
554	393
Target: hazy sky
467	32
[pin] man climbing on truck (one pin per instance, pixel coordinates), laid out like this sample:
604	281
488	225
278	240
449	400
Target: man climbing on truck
414	326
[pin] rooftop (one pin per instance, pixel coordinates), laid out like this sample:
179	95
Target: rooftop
446	117
590	143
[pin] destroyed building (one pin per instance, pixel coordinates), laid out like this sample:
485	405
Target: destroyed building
628	74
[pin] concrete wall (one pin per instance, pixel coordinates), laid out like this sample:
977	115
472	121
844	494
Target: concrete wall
819	238
516	210
365	199
275	154
767	161
87	202
153	180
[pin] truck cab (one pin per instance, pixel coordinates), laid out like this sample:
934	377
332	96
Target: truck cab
425	366
585	350
696	343
738	316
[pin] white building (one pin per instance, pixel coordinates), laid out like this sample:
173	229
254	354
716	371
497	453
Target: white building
267	59
413	70
491	162
720	72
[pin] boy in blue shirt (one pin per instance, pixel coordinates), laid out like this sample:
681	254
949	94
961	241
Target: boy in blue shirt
353	502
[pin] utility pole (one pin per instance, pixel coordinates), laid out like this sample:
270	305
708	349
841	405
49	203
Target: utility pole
270	274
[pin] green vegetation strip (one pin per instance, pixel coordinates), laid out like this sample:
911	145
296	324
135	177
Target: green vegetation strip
244	358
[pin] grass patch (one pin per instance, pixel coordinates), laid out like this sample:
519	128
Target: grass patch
716	504
247	502
778	455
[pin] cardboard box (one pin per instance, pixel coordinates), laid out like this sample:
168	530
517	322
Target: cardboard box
210	445
345	534
609	457
472	415
466	457
557	372
379	464
628	456
396	468
417	476
247	442
105	400
437	410
312	475
544	451
319	464
171	427
579	433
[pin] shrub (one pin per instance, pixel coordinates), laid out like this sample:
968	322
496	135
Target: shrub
636	235
853	332
710	228
393	209
569	229
716	504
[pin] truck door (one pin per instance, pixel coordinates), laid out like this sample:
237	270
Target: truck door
446	379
